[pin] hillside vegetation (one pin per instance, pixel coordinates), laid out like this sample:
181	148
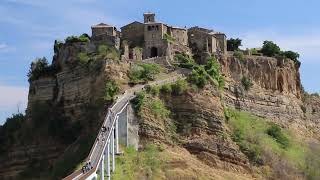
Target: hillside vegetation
276	152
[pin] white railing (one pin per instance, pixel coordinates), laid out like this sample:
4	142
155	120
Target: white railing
104	139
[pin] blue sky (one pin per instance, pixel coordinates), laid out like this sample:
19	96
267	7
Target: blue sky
28	29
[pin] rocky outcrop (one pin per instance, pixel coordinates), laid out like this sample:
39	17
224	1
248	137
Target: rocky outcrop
200	129
276	75
312	114
21	158
77	92
276	93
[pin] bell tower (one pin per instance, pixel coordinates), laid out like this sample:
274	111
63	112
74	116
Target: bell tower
149	17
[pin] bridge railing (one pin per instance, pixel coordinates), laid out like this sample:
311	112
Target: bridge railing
103	137
93	160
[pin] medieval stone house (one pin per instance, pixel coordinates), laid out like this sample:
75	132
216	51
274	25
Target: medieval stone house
206	40
157	39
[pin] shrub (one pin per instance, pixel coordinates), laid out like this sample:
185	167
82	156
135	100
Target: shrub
198	77
135	165
155	90
108	52
158	108
233	44
184	61
150	71
169	38
179	87
138	101
246	83
74	39
291	55
166	88
254	51
239	55
83	58
270	49
275	131
135	74
111	90
13	123
40	67
84	37
213	69
143	72
294	56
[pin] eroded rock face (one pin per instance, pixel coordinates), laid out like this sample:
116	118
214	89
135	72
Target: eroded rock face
201	130
276	93
277	75
76	92
67	54
312	109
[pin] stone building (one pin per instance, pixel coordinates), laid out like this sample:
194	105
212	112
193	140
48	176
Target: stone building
221	42
206	40
160	39
156	39
106	34
133	33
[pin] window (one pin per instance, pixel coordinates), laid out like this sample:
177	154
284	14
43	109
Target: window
149	28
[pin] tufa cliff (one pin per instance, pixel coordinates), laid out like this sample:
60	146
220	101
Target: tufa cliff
189	121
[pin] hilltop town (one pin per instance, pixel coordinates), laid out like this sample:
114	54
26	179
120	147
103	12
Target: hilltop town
174	103
158	39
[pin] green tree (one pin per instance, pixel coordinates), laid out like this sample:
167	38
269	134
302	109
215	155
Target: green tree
143	72
291	55
40	67
179	87
275	131
270	49
246	82
233	44
198	76
111	90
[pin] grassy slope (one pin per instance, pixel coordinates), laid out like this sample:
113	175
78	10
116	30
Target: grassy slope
265	151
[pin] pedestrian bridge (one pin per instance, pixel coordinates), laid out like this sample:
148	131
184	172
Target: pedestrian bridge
115	127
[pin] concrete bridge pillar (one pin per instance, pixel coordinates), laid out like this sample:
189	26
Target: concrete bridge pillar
117	135
108	160
128	125
102	168
113	151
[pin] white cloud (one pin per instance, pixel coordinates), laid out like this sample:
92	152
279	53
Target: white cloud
307	44
5	48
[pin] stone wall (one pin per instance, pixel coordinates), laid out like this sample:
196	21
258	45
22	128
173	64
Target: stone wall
202	41
221	42
180	35
107	30
133	33
153	37
104	39
163	61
